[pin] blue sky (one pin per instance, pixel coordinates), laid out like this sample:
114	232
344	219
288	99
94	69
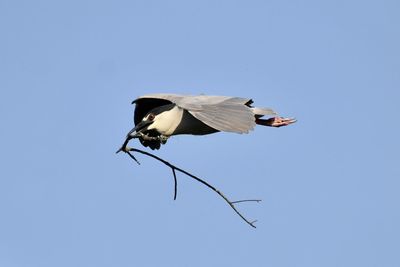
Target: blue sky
329	184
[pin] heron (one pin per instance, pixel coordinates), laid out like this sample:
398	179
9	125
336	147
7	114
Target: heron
157	117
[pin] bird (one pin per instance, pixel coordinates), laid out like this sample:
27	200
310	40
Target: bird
157	117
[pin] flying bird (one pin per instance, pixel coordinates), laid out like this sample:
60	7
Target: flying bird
160	116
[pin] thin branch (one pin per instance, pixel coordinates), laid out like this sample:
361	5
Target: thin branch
174	168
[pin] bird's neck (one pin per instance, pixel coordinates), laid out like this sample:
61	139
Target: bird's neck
168	121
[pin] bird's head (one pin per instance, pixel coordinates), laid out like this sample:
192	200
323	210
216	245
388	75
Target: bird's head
138	130
157	119
154	121
142	126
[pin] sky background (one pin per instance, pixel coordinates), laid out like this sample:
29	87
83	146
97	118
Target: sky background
330	183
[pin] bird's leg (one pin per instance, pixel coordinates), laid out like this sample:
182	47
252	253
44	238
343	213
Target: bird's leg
279	121
163	139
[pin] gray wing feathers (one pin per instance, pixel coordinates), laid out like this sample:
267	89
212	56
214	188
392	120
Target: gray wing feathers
227	117
223	113
188	101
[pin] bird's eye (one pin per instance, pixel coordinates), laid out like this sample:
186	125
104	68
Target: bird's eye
151	117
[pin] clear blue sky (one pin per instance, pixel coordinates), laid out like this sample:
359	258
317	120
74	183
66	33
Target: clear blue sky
330	183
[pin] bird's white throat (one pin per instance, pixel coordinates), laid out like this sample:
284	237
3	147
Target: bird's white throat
167	122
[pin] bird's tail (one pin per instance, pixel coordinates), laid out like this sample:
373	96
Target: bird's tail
260	112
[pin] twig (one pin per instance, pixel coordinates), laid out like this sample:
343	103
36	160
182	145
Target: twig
246	200
174	168
133	157
176	183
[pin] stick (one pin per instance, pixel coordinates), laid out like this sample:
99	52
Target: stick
174	168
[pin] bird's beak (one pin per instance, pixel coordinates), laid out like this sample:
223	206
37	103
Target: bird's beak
140	127
134	133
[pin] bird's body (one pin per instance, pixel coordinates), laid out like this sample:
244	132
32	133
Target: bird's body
179	121
168	121
159	116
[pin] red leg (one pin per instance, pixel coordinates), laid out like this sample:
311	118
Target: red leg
276	121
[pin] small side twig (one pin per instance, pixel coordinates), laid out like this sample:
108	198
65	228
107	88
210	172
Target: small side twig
246	200
174	168
133	157
176	183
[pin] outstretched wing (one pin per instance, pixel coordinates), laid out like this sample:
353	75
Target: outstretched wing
223	113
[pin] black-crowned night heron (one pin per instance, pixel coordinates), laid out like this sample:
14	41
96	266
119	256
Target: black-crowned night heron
159	116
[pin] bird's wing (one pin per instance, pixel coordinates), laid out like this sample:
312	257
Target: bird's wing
228	114
223	113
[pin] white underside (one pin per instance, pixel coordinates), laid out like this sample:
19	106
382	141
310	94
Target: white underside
167	122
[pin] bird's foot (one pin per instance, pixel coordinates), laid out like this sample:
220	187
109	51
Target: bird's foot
146	137
279	121
161	138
